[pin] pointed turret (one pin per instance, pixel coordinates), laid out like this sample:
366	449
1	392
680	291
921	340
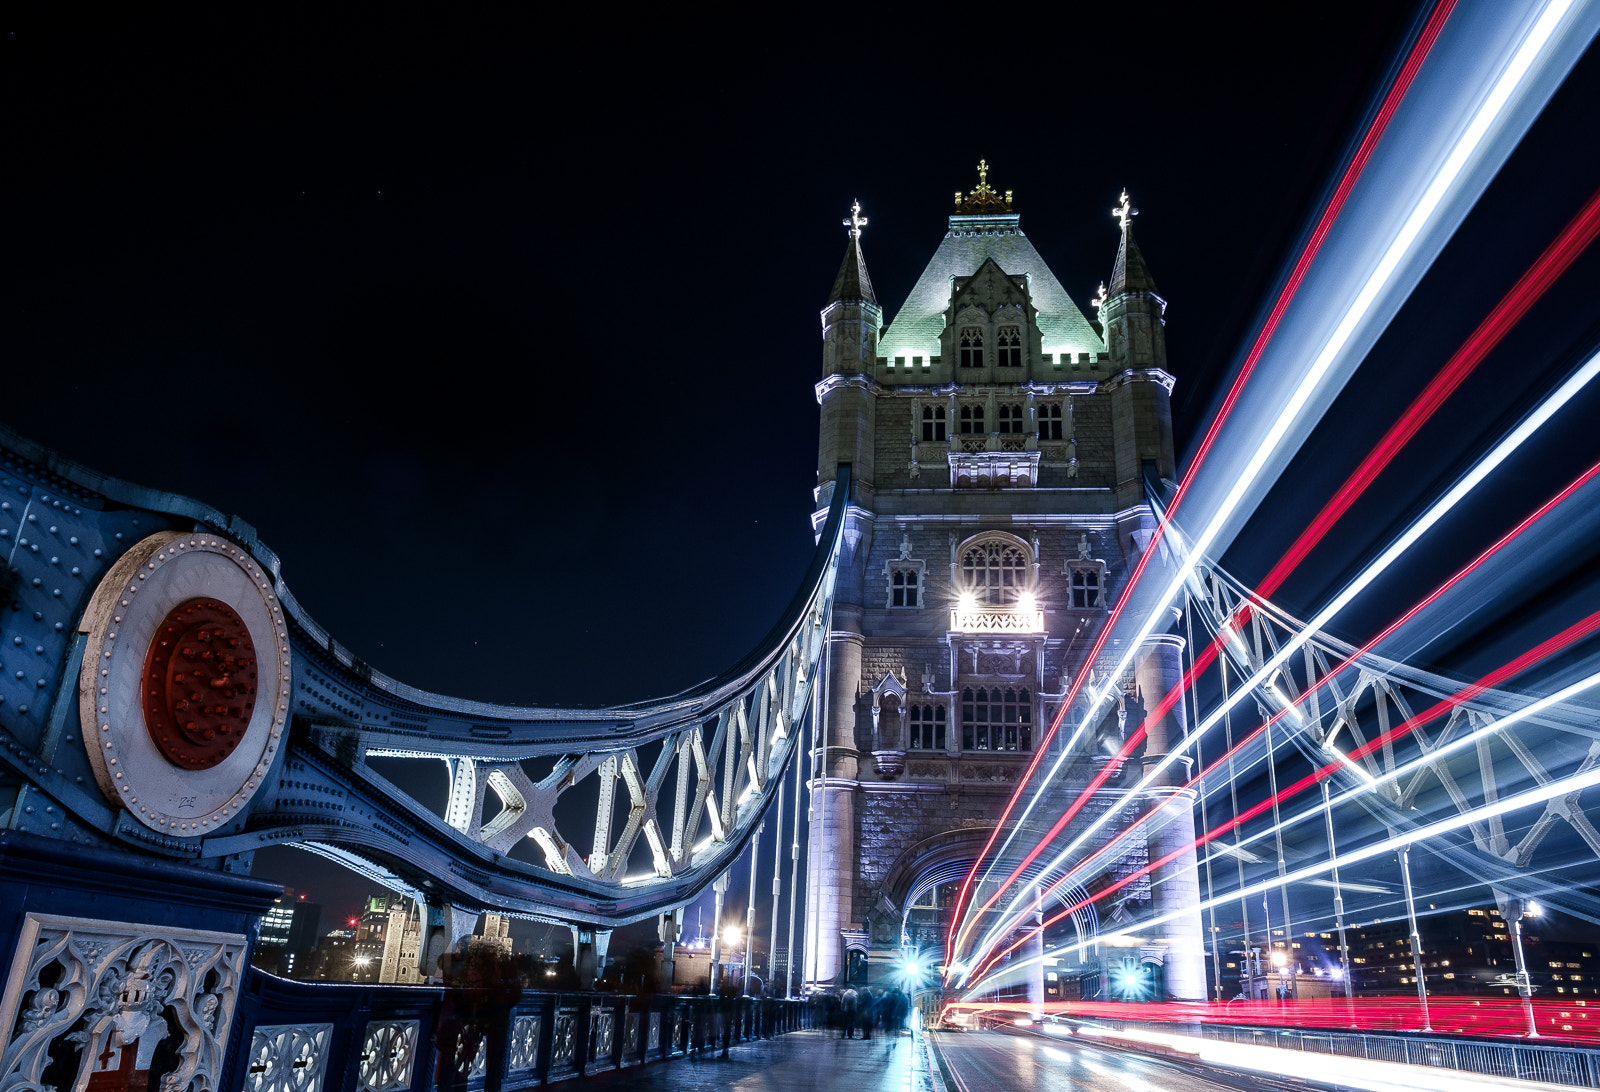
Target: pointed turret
1130	274
1135	331
852	283
1132	313
851	321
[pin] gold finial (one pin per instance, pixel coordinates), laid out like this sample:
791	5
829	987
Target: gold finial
1125	211
856	221
1099	300
982	199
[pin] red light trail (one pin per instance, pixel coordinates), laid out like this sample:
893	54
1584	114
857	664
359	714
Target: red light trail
1542	651
1530	287
1528	521
1396	94
1490	1017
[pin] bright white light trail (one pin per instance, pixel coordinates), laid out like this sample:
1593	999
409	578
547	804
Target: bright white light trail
1502	451
1528	52
1558	787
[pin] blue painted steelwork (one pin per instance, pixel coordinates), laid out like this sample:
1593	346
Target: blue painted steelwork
63	526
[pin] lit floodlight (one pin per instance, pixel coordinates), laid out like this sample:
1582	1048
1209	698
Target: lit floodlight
1027	602
1534	909
1279	960
732	935
967	602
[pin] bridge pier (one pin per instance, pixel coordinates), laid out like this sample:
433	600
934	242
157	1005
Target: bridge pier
1175	886
589	953
829	896
447	927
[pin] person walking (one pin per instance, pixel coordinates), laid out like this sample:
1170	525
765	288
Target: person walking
847	1014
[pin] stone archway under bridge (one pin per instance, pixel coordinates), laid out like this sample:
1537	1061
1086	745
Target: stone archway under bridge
944	859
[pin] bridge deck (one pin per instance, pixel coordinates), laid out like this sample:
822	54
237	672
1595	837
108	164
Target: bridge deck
819	1061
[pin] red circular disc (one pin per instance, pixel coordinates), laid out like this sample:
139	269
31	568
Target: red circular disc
199	683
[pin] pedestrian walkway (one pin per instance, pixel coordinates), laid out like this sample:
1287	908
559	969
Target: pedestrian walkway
797	1062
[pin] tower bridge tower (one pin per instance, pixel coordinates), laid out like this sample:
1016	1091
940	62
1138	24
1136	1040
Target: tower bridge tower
1000	441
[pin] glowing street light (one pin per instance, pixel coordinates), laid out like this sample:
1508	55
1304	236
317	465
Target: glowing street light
1527	908
1281	962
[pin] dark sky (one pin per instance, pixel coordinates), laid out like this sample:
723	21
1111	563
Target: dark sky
501	324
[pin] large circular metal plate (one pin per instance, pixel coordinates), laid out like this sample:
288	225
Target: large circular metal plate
185	685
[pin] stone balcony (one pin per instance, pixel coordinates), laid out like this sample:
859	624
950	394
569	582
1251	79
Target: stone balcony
996	620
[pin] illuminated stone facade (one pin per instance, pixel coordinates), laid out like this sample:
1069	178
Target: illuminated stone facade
1001	444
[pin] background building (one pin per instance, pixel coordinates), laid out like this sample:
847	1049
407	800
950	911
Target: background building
288	933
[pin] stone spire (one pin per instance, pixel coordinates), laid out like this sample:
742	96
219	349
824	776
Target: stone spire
1130	274
1133	315
852	283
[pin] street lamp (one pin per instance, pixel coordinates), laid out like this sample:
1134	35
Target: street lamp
1281	962
732	937
1526	908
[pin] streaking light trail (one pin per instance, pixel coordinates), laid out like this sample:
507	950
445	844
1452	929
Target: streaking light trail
1310	385
1503	450
1353	170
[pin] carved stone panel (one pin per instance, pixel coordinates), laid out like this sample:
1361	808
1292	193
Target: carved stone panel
388	1055
113	1004
524	1044
288	1057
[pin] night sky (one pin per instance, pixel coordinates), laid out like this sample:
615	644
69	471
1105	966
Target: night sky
501	325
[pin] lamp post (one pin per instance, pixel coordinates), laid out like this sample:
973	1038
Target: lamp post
1526	908
1281	962
732	937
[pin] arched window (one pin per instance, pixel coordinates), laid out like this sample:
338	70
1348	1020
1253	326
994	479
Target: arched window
972	420
903	587
1049	414
971	347
1010	339
995	572
993	719
927	727
1011	417
933	423
1085	587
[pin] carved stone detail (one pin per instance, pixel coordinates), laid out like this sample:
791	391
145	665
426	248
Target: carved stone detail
99	997
288	1057
524	1044
388	1055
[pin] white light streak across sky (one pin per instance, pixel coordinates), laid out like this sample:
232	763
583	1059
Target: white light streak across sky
1518	75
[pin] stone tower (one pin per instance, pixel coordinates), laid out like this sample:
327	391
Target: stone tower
1000	447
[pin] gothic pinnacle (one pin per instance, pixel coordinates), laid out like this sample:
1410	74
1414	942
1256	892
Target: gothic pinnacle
856	221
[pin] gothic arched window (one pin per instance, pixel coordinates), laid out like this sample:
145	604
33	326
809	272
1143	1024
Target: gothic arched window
927	727
1011	417
1085	587
971	347
1049	414
995	572
933	423
903	587
1010	340
972	420
993	719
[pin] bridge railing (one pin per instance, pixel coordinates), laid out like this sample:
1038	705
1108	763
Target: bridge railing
1574	1066
324	1037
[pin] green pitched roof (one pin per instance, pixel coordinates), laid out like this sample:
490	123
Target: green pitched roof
971	239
